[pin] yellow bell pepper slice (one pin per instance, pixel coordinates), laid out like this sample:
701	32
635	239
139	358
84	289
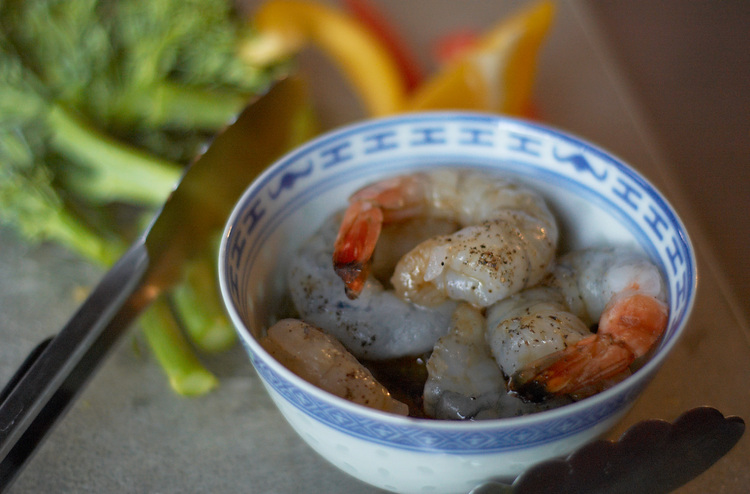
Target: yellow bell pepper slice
287	26
497	74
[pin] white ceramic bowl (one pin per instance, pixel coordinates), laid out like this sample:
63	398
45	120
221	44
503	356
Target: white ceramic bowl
596	198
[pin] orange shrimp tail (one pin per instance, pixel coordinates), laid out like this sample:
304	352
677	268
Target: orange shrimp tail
636	320
398	198
583	365
355	243
629	327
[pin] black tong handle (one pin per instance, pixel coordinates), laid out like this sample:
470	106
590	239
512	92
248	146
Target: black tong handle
53	374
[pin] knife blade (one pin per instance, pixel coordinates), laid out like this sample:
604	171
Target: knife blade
47	383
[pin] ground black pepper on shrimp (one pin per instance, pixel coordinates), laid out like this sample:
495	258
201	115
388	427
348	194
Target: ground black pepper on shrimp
473	283
506	243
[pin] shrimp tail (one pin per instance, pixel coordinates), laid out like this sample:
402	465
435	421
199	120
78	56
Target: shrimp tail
635	318
355	243
386	201
629	326
589	361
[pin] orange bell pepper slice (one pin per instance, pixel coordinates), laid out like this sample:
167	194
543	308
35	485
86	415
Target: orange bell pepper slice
287	26
497	73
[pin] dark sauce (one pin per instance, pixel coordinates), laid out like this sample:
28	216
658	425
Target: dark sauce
405	378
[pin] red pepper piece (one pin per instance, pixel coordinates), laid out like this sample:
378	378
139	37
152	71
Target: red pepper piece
374	20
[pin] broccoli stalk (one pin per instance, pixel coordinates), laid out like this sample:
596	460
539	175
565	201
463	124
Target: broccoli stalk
198	305
170	104
66	229
104	169
30	205
186	374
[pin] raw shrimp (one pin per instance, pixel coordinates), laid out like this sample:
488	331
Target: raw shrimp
464	380
529	325
621	290
321	360
588	279
376	326
507	241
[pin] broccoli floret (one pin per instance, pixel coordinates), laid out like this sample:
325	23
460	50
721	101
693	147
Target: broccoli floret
104	102
30	205
29	201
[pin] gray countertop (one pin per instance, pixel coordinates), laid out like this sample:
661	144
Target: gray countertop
598	78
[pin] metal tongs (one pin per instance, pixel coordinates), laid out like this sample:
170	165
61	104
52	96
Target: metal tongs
56	371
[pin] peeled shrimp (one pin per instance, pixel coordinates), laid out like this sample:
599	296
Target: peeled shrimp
377	325
464	380
529	325
507	241
589	279
625	293
321	360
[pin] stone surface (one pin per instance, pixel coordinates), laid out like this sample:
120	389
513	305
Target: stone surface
129	433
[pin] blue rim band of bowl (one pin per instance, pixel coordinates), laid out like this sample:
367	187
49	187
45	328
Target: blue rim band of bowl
428	132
